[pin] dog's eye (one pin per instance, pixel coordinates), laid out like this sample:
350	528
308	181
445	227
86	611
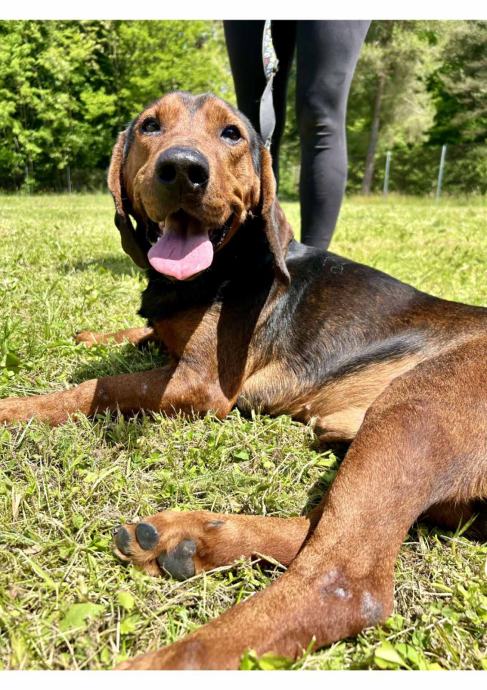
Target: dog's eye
150	126
231	133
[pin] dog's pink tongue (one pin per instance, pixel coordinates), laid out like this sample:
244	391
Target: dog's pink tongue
183	250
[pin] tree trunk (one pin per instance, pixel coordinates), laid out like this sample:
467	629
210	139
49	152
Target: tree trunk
374	137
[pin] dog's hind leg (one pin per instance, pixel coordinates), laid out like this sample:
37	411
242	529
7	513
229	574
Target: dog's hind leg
423	442
136	336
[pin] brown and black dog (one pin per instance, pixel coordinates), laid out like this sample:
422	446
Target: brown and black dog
253	319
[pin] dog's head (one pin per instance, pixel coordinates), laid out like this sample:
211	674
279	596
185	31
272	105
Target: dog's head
190	170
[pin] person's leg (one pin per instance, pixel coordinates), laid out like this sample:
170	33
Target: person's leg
327	52
244	45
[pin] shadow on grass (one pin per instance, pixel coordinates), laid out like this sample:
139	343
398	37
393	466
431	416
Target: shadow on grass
114	359
117	265
111	360
117	429
323	483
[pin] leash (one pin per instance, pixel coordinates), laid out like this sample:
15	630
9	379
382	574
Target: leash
267	115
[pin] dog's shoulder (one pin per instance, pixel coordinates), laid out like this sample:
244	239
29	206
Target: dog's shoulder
323	278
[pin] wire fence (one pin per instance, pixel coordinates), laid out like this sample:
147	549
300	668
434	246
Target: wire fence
424	171
65	181
432	170
444	169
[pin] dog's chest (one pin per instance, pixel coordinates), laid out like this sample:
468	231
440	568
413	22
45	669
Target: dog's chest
189	334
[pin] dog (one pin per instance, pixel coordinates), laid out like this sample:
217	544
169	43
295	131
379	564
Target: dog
255	320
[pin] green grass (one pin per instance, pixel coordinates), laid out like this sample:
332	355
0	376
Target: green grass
65	602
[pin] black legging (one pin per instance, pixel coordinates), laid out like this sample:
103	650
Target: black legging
327	52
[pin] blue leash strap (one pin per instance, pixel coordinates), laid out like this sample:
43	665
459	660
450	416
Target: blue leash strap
267	115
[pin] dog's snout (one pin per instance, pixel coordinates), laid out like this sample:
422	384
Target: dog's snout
183	168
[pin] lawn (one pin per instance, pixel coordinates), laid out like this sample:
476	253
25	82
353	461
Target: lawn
65	601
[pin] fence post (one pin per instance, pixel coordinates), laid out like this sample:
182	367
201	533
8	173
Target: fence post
68	178
386	174
441	171
297	174
29	168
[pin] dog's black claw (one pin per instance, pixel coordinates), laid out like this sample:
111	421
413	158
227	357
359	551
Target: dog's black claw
179	562
146	535
122	540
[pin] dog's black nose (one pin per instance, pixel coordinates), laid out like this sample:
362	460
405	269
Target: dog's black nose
184	169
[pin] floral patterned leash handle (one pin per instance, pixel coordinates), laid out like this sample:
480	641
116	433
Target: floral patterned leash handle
267	115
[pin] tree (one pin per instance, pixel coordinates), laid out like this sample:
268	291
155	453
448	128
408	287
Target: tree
392	83
153	58
459	85
68	87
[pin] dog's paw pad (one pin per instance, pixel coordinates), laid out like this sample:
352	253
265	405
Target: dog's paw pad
122	540
147	536
179	561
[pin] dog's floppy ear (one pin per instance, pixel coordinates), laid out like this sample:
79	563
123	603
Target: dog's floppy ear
277	229
134	241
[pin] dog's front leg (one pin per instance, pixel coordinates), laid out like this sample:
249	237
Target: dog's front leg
136	336
169	389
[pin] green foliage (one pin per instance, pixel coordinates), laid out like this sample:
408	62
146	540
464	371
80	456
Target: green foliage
459	85
125	600
153	58
78	615
68	87
50	87
404	53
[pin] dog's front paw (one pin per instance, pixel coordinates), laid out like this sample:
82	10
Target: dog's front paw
87	338
180	544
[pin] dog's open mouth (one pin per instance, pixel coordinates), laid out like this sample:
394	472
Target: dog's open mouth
185	247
